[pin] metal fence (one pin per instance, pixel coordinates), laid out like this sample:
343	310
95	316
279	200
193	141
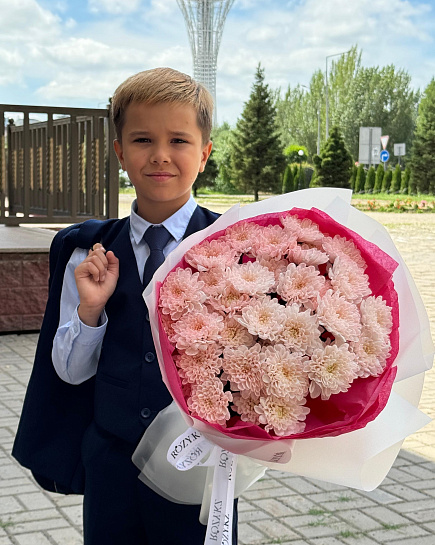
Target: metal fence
59	170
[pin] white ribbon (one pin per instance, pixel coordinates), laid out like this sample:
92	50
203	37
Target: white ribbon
192	449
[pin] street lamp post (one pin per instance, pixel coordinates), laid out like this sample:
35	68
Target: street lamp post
326	90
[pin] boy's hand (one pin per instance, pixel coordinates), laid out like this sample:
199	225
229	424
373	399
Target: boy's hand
96	279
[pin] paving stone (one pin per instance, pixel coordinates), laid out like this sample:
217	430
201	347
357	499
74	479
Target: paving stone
249	535
32	539
359	520
274	507
66	536
274	529
35	500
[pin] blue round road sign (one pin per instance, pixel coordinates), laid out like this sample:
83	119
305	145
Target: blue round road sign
384	156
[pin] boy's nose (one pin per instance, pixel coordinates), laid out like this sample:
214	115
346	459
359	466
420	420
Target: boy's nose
160	156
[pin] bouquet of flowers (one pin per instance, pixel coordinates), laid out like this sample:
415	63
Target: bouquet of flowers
277	333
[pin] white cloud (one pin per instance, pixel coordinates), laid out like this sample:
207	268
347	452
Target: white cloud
114	7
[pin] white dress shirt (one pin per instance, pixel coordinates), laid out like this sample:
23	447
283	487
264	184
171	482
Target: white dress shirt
76	346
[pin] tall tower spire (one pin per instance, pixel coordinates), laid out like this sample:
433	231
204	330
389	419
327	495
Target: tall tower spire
205	21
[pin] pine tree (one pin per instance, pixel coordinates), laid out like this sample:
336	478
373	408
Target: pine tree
334	167
397	180
423	148
370	180
257	159
404	188
208	177
380	171
360	179
288	180
386	182
352	180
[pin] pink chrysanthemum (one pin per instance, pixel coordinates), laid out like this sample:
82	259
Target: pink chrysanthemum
308	255
349	280
332	370
251	278
300	284
229	300
277	266
214	281
244	405
272	242
204	365
282	417
181	292
303	230
285	373
263	317
339	317
209	401
210	254
196	330
241	235
371	351
243	368
167	324
340	246
234	334
300	330
376	313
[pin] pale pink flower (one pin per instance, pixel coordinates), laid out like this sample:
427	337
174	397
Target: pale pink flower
229	300
209	401
300	330
281	417
167	324
244	405
300	284
349	280
376	313
194	331
371	351
241	235
339	317
277	266
243	368
234	334
303	230
251	278
214	281
263	317
340	246
285	373
181	292
272	242
308	255
203	365
332	370
210	254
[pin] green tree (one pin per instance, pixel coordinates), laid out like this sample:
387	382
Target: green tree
257	159
396	181
370	180
404	188
222	145
208	177
333	166
352	180
288	180
379	178
386	182
423	149
360	179
293	153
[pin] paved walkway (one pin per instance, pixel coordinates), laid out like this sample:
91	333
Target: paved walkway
281	508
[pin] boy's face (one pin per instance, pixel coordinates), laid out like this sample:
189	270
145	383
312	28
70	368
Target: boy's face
163	152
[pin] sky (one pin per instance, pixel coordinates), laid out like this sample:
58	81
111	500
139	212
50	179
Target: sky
74	53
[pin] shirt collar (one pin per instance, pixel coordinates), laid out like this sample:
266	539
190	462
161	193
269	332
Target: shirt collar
176	224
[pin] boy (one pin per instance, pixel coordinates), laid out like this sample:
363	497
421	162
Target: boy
78	434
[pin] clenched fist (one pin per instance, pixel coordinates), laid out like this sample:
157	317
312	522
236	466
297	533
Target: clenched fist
96	279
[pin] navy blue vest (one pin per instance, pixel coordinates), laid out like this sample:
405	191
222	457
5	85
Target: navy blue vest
126	393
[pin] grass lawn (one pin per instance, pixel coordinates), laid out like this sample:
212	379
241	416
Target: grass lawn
380	202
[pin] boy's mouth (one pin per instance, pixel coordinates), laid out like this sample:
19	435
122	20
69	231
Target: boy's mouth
160	176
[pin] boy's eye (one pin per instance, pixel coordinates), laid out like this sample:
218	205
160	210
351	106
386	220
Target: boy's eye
142	140
179	141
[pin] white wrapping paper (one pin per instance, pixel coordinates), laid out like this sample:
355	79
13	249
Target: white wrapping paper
359	459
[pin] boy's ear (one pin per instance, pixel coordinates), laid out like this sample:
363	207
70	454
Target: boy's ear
206	150
118	150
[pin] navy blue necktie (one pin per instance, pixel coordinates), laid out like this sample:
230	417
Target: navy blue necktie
157	237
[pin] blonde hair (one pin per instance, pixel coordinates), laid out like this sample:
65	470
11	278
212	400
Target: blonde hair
163	85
